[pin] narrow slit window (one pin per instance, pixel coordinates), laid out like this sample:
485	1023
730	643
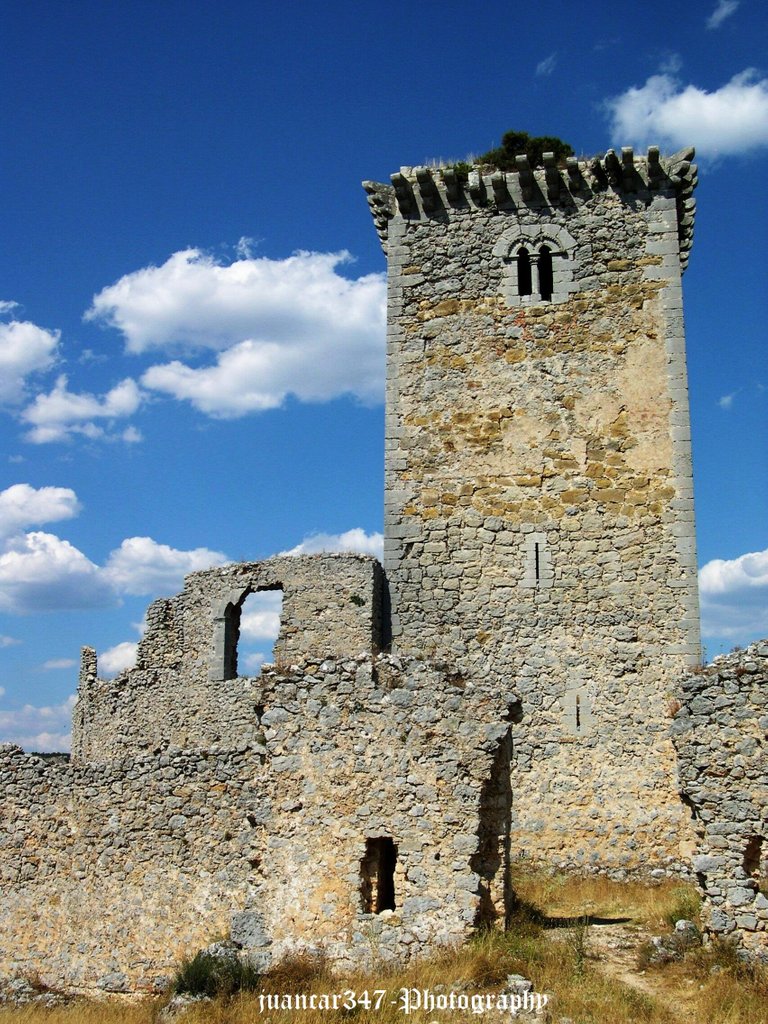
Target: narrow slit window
377	875
537	561
578	719
524	276
546	278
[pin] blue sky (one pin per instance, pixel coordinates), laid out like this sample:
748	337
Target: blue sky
191	341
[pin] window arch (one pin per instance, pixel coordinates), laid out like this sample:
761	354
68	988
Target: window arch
226	623
539	263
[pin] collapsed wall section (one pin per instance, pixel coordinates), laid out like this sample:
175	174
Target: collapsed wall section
721	736
366	814
187	689
539	503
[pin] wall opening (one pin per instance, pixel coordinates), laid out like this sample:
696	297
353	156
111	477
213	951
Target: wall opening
755	862
577	709
260	619
546	276
538	573
246	633
377	875
524	275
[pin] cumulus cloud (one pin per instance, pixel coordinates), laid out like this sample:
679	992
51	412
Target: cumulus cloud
22	505
62	413
547	66
723	10
25	349
279	327
730	120
142	566
260	617
734	597
355	541
41	572
54	664
41	729
729	576
117	659
253	662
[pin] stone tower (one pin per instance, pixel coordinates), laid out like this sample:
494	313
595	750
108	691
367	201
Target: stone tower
539	524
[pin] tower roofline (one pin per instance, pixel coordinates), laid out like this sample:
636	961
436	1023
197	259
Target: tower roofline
424	193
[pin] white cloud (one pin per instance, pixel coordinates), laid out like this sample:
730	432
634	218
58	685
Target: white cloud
730	120
117	658
547	66
62	413
22	505
293	326
723	10
58	663
670	63
354	541
734	597
2	691
246	246
142	566
25	348
254	661
726	401
41	572
730	576
41	729
8	641
260	618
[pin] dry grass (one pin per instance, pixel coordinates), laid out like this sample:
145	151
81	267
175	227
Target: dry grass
562	896
82	1013
548	941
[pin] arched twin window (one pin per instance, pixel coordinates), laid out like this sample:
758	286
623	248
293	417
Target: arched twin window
539	262
535	275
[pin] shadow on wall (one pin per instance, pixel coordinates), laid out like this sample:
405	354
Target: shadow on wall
492	858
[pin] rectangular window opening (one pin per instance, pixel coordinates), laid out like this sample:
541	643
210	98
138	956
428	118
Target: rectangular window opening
377	875
258	628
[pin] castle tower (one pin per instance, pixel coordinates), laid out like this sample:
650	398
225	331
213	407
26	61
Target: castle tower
539	522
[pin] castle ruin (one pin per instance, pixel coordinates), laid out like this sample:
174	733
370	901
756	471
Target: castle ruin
508	684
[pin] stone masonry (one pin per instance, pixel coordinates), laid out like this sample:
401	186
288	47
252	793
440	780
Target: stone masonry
720	733
539	504
506	685
344	799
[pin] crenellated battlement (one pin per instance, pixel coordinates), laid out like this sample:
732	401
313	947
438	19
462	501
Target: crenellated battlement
418	193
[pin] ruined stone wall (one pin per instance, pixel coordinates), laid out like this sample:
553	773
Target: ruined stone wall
721	733
113	870
539	506
186	690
